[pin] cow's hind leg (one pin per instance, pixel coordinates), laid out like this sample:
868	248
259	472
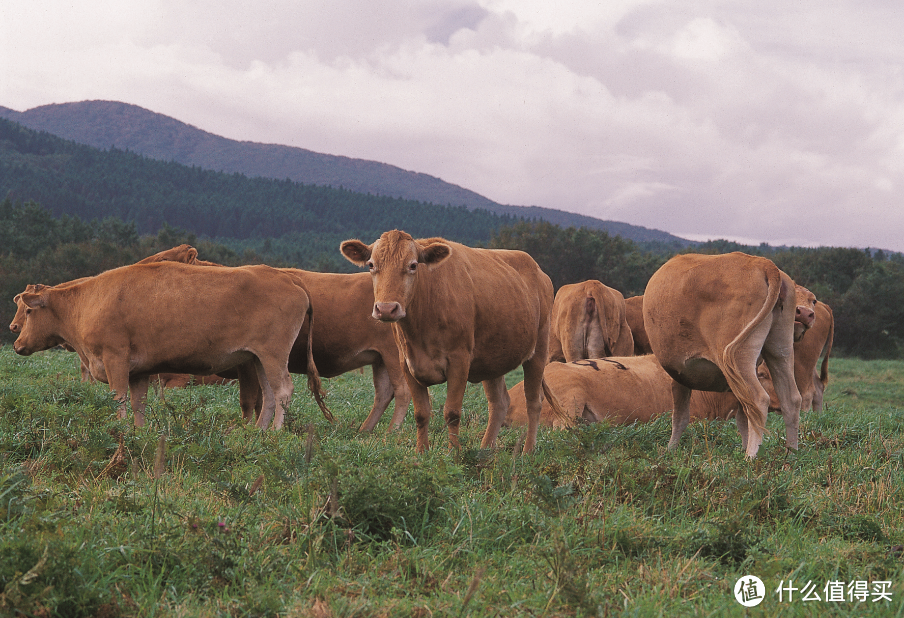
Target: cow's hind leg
273	388
780	360
738	365
277	375
383	394
251	397
498	400
533	395
681	412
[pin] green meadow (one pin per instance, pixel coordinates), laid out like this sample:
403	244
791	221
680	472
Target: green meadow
197	514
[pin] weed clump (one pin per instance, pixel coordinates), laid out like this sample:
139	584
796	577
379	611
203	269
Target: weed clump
378	501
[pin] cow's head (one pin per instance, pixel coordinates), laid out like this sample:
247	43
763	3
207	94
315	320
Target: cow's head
36	329
19	319
805	315
394	260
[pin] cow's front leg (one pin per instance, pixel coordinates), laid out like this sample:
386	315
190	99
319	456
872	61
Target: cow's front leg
117	374
498	401
383	393
456	383
251	397
138	393
422	409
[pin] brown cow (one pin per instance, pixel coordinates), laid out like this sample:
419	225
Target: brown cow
347	338
807	350
134	321
588	321
621	390
634	317
461	315
709	319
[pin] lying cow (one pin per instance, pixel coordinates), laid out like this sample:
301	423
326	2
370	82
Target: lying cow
588	321
620	390
634	317
709	319
815	343
138	320
461	315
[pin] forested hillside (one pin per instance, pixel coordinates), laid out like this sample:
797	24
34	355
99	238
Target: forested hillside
69	178
106	124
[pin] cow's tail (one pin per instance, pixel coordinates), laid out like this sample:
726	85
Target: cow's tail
827	351
314	384
557	408
775	292
593	318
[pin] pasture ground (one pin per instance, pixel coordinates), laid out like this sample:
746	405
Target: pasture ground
318	520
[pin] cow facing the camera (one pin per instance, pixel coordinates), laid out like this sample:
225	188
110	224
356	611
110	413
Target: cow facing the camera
461	315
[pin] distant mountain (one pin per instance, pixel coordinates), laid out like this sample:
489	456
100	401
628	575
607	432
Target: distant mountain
106	124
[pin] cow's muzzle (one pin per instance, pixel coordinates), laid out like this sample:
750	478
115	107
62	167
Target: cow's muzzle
805	316
388	312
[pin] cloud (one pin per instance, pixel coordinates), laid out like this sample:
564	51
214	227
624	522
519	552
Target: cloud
709	118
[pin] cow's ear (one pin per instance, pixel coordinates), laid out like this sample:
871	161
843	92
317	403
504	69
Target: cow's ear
355	252
33	300
434	253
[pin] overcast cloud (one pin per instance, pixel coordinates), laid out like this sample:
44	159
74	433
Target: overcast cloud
763	121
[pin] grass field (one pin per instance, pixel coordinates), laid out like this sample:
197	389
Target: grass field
318	520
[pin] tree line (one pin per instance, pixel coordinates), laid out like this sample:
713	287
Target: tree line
864	289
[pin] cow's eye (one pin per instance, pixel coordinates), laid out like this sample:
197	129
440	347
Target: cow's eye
27	311
412	267
370	265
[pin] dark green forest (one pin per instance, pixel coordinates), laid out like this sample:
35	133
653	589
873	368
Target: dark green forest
81	181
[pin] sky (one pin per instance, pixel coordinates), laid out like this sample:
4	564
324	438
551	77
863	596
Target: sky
759	121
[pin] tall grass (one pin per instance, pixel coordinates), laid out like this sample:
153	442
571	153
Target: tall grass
97	519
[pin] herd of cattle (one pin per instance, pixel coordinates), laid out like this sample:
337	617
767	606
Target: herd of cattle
712	337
